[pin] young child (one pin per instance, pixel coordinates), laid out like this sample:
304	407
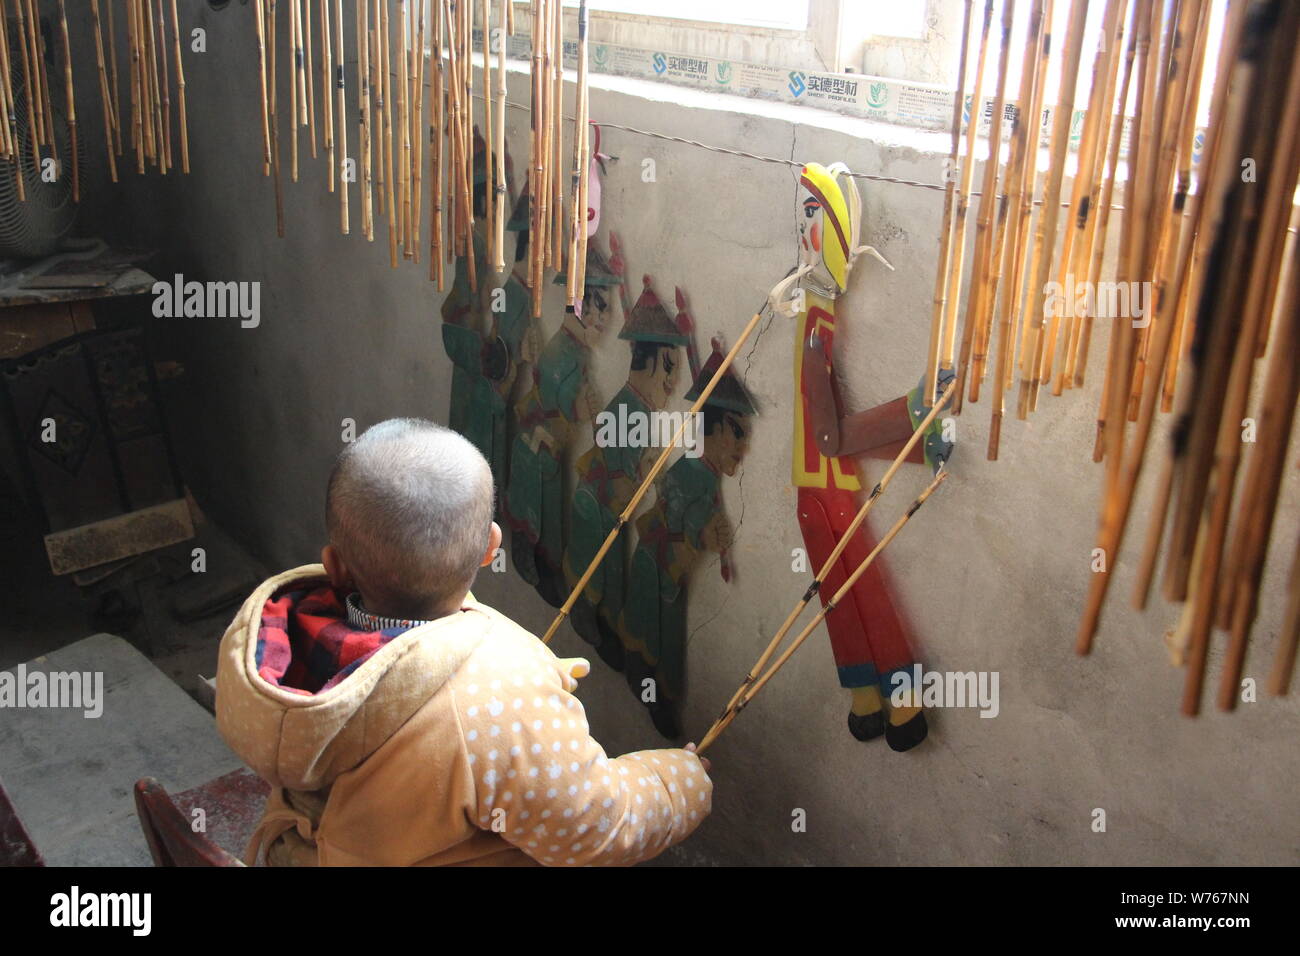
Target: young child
402	723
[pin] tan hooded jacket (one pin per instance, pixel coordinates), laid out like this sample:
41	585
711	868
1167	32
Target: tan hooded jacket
458	742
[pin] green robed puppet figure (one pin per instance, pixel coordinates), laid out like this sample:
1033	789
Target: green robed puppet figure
474	405
610	473
686	522
561	398
485	364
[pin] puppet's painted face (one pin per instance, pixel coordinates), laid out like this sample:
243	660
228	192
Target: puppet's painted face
657	382
595	316
727	445
825	228
812	239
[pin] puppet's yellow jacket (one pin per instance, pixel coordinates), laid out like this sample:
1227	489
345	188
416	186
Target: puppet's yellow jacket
457	742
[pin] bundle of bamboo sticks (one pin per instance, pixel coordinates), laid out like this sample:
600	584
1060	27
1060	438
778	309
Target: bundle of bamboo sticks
29	137
1203	269
403	49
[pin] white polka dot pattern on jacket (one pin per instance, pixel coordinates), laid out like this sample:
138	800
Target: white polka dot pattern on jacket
538	772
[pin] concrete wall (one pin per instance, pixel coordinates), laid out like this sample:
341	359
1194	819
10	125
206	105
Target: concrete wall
992	572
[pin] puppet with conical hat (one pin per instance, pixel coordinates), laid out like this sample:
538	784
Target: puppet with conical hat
560	400
610	473
687	522
868	635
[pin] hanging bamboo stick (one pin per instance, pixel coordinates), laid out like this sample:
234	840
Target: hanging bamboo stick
8	135
436	128
1138	210
341	124
467	134
499	187
1021	162
70	102
489	132
47	89
326	84
749	694
584	182
275	123
363	135
1109	441
537	193
981	263
555	161
149	118
946	228
451	83
295	45
578	219
467	138
386	78
1099	212
958	248
308	69
404	124
32	121
300	68
1045	238
105	98
1162	160
462	157
137	93
155	87
1279	681
180	92
1029	249
29	17
112	54
11	111
1082	192
417	129
165	79
12	147
259	15
377	93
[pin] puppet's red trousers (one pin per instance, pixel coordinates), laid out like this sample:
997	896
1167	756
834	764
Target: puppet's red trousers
868	637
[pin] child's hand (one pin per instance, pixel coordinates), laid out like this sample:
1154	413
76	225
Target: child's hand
704	761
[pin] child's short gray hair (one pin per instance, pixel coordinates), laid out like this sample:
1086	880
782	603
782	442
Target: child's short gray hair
409	507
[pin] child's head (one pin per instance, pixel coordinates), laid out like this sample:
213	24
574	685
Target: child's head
409	514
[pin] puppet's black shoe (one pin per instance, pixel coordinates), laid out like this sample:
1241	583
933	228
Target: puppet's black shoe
611	652
521	551
907	735
583	617
548	586
665	721
867	726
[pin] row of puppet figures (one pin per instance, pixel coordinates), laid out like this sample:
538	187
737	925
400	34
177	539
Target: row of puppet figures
531	406
402	52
